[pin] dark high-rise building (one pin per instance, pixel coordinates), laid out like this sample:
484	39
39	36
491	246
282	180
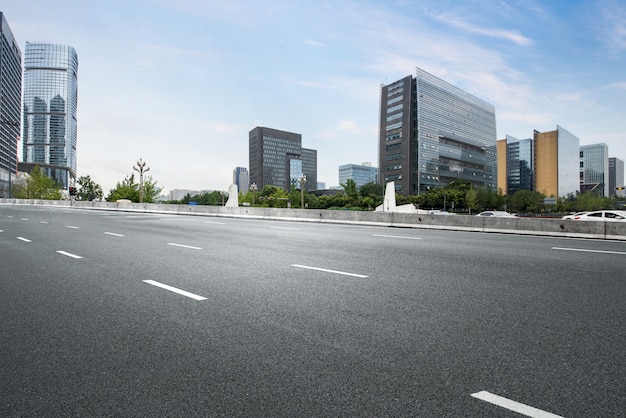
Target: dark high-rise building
50	105
432	133
616	175
10	105
277	158
594	168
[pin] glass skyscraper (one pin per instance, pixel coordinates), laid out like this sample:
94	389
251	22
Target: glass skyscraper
432	133
360	174
594	168
10	105
50	103
518	168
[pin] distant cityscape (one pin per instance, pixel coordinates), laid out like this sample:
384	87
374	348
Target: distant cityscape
431	134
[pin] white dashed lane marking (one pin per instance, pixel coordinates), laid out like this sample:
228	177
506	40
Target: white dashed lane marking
175	290
329	271
65	253
520	408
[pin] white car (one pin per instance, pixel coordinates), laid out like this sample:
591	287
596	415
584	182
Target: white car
496	213
573	215
603	215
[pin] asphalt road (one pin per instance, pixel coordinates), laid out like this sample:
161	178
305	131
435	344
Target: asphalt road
294	319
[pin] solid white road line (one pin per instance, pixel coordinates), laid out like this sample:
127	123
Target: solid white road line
175	290
215	223
394	236
520	408
23	239
588	251
69	254
184	246
114	234
285	229
329	271
71	226
43	222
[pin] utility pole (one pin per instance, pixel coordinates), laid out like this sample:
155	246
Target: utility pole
141	168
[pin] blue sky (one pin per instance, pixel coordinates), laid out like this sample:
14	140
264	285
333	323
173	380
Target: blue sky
180	83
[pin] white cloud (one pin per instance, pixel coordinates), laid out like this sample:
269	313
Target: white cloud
494	33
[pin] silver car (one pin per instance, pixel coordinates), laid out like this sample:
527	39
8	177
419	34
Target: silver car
496	213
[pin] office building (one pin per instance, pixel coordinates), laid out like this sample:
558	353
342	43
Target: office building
10	106
242	179
277	158
616	176
594	169
50	104
557	161
515	165
432	133
361	174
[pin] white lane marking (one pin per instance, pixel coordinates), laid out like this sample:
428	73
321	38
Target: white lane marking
394	236
23	239
329	271
114	234
285	228
9	216
215	223
43	222
588	251
175	290
520	408
69	254
71	226
24	219
184	246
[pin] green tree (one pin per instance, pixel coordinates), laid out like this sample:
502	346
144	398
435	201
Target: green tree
89	189
471	199
129	189
350	190
526	201
38	186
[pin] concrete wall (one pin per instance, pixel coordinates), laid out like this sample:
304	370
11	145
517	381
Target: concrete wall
526	226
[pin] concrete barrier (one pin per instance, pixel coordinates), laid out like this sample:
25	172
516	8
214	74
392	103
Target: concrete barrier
518	225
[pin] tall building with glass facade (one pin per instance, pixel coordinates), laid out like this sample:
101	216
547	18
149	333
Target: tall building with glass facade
241	178
515	165
277	158
556	162
50	104
360	174
616	176
10	105
594	168
432	133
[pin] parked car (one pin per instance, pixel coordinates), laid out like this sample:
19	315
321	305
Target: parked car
497	214
603	215
571	216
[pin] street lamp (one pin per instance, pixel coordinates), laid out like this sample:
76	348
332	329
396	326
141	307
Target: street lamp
302	180
253	189
141	168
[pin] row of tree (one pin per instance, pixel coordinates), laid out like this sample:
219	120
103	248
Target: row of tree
37	185
458	196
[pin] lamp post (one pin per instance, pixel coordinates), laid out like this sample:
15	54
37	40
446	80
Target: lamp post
253	189
302	180
141	168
